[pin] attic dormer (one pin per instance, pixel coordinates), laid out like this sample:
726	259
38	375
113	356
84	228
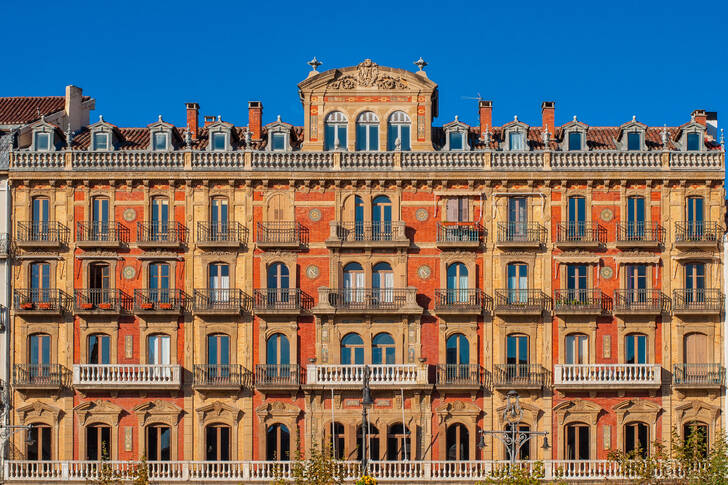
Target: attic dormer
279	136
46	137
160	136
103	135
219	136
690	137
573	136
456	136
515	136
632	136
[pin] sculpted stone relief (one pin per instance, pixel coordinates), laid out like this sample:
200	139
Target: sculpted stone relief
368	76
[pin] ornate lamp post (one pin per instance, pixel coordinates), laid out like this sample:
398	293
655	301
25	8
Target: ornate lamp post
366	402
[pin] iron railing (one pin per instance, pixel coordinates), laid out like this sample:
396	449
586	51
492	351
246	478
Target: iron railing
219	375
370	298
580	232
455	232
697	231
281	232
155	299
271	375
218	299
111	232
161	232
459	374
451	298
521	232
97	299
703	299
45	232
39	299
579	299
519	374
698	374
229	232
640	232
370	231
273	299
40	375
521	299
640	300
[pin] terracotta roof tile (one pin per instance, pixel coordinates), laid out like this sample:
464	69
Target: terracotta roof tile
24	109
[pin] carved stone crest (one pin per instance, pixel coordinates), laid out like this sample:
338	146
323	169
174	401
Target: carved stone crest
368	76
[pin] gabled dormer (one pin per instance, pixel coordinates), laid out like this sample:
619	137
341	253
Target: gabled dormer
632	136
515	136
219	135
279	136
456	136
161	136
690	137
45	137
573	136
104	136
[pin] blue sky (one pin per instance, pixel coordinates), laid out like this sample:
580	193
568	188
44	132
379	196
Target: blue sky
602	61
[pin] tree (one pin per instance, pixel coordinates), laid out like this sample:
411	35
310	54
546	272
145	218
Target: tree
105	473
517	474
320	468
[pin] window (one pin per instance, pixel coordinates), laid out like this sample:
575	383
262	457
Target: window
352	350
695	283
457	283
278	443
576	283
40	283
219	219
99	349
457	209
42	141
98	442
398	443
398	131
383	349
372	434
458	442
516	140
218	141
636	275
576	350
635	218
455	140
517	356
381	218
278	351
693	141
577	442
635	349
457	358
694	213
636	438
99	219
159	443
353	283
697	433
219	282
695	349
517	219
382	283
634	141
335	131
101	141
367	132
217	443
577	218
158	349
38	446
39	357
159	282
160	219
160	141
99	280
336	434
278	142
218	358
574	141
278	277
41	218
517	274
524	452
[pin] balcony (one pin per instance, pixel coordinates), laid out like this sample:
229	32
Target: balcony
607	376
393	376
106	235
519	376
220	377
521	235
459	376
466	301
97	302
586	235
280	301
460	235
640	235
697	302
230	235
387	301
218	301
45	235
158	302
366	235
579	302
640	302
277	377
281	234
39	376
127	376
37	301
161	235
698	376
4	245
693	235
520	302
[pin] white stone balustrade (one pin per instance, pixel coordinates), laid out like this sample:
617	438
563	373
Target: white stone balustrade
696	160
606	160
127	376
303	161
443	160
517	161
607	375
202	160
338	375
128	160
367	160
26	160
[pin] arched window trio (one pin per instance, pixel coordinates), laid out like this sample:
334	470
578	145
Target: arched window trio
367	131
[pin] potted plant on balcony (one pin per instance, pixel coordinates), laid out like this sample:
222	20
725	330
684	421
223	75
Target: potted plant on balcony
147	305
105	306
165	306
86	306
45	306
26	306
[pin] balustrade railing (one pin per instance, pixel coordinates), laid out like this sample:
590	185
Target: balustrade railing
454	298
516	160
161	232
283	299
607	374
271	375
367	160
101	232
575	299
580	232
219	375
38	375
39	299
4	245
368	298
697	231
456	232
606	160
698	374
129	160
229	232
368	231
459	374
640	300
97	299
158	299
379	374
453	160
697	299
519	375
521	299
521	232
640	232
126	374
231	299
296	161
42	232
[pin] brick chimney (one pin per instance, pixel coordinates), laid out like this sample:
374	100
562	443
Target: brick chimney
548	116
255	119
73	108
193	112
485	113
699	116
209	120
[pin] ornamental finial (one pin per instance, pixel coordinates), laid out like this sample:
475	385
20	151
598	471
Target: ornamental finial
420	63
722	139
314	63
664	136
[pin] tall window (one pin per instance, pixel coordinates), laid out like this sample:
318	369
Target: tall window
217	442
577	442
517	274
699	433
353	283
219	282
338	442
160	141
383	282
576	283
457	209
399	444
158	349
40	282
516	140
39	357
98	442
457	283
352	350
693	142
335	131
159	443
695	283
159	282
635	349
160	219
278	282
576	350
458	442
457	358
278	443
367	132
381	218
398	130
99	219
524	452
218	350
517	356
517	219
577	218
372	434
636	438
695	348
636	276
634	141
38	445
99	283
218	218
574	141
383	349
635	217
694	213
41	219
278	352
99	349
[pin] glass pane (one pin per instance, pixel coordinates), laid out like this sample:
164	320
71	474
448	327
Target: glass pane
42	141
693	141
456	141
373	137
341	135
404	135
218	141
160	141
633	141
574	141
329	137
361	137
100	141
279	141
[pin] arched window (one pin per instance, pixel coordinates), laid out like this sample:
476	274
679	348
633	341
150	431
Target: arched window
457	358
278	443
381	218
278	282
218	219
576	443
398	131
158	353
98	442
159	283
38	446
278	351
99	349
372	434
637	438
352	349
635	218
517	358
399	443
217	442
635	349
218	359
694	217
335	131
40	282
158	443
218	280
576	350
517	229
40	219
458	442
40	369
353	283
517	274
383	283
696	435
457	283
99	230
694	283
367	132
159	229
524	452
337	440
383	349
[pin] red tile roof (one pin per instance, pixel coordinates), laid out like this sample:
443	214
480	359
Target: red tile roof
21	110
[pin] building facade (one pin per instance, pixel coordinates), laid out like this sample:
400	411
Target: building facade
215	293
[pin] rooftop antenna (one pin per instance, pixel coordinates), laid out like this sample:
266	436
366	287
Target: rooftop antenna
477	98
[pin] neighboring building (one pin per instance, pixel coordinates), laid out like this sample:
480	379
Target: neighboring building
212	293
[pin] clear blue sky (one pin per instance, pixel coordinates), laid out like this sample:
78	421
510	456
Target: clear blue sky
603	61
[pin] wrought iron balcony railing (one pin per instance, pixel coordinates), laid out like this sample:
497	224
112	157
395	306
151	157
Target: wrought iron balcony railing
640	232
521	300
219	300
460	298
97	300
281	299
277	375
521	232
42	233
39	375
580	232
230	233
222	376
697	300
39	300
158	300
385	231
161	233
101	233
697	232
459	375
368	298
281	233
519	375
456	233
640	301
695	375
579	301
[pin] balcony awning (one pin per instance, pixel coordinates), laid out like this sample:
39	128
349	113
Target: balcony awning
586	259
644	259
696	255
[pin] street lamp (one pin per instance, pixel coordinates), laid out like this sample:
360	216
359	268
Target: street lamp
366	402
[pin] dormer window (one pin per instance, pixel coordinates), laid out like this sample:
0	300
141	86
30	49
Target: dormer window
516	141
278	142
218	141
335	131
160	141
634	141
693	142
42	141
101	141
456	140
367	132
279	136
575	142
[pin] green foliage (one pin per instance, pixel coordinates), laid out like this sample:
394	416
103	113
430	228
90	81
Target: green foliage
320	468
517	474
105	474
141	472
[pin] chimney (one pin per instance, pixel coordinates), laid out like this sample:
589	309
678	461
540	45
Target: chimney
193	111
485	113
73	109
209	120
699	116
255	119
548	116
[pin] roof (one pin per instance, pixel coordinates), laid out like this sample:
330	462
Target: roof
25	109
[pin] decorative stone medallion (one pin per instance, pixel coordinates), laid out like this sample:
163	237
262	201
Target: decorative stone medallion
128	272
424	272
129	215
314	215
312	271
606	215
421	215
606	272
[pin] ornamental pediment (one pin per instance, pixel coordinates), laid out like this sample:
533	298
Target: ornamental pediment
99	411
38	410
278	409
456	409
369	76
158	411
